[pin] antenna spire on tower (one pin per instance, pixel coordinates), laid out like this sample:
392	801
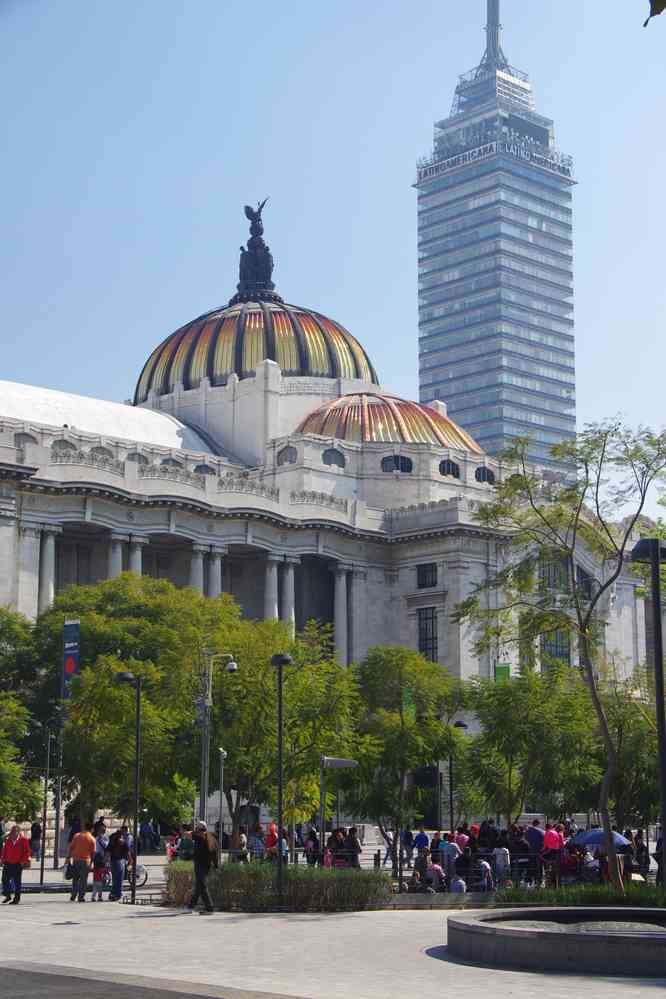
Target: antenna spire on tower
494	57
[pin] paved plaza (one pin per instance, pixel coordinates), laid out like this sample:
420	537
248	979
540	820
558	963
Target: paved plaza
149	951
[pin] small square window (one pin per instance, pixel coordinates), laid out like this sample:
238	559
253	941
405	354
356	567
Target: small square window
426	575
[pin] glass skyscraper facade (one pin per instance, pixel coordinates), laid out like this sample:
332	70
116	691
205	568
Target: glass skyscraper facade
495	263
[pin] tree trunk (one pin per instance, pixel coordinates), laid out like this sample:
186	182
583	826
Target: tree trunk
611	763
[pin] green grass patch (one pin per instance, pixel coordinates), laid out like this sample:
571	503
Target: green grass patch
635	895
252	888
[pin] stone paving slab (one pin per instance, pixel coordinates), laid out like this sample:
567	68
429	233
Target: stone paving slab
371	955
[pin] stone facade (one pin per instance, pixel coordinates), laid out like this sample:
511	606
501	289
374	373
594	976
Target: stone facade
263	513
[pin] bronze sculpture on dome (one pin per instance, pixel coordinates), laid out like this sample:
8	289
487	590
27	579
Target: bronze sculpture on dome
256	263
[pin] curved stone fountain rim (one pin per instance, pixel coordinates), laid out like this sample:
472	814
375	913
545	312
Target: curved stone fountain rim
481	938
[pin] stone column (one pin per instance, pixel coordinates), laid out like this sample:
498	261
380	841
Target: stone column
28	570
136	554
197	567
271	588
116	555
215	571
47	568
288	595
340	613
358	626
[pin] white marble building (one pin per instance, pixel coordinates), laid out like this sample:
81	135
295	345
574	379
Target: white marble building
260	457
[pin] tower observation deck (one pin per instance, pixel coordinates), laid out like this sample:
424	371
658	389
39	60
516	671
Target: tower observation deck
495	258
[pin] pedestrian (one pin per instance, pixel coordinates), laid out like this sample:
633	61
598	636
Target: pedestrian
100	871
642	853
450	852
2	831
205	857
435	848
119	852
388	845
145	836
15	857
407	845
659	857
534	835
486	882
353	847
421	841
36	839
82	854
255	844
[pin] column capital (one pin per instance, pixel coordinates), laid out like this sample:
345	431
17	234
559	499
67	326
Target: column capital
139	539
360	571
52	528
116	537
30	530
339	568
271	557
200	549
292	559
218	551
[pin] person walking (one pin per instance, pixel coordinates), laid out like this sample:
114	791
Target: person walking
36	839
14	857
119	851
82	851
205	857
353	847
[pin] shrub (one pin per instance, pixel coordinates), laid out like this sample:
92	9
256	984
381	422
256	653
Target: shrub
252	888
635	895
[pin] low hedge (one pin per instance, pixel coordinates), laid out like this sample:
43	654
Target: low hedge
635	895
252	888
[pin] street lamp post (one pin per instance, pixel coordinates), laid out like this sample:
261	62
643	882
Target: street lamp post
460	725
206	704
135	681
49	736
222	755
280	661
653	550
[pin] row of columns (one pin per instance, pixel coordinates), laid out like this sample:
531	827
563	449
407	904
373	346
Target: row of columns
37	559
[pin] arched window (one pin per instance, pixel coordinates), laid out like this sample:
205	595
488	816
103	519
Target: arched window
62	445
397	463
484	474
20	440
101	452
170	463
204	470
449	467
137	457
333	457
287	456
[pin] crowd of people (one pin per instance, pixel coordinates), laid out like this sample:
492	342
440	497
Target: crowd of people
481	857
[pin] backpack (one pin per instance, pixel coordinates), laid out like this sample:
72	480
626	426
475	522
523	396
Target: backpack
186	848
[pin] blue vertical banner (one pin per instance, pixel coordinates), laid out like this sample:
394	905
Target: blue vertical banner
71	654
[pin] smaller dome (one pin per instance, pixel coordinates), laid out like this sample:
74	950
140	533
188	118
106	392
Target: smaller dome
376	418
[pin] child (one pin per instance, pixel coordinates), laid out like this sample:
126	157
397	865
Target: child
100	869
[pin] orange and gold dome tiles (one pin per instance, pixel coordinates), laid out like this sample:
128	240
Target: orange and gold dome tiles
238	337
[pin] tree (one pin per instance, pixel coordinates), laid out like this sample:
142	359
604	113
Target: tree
319	714
535	744
545	526
18	671
19	793
160	633
631	716
407	706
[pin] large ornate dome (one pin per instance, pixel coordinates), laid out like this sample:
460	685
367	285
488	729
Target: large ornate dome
375	417
255	326
238	337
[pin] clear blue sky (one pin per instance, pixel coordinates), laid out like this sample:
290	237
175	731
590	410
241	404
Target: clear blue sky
134	132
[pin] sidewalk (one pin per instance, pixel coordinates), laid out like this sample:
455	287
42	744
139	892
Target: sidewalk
372	955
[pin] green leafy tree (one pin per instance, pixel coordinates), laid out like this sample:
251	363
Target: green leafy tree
19	793
407	704
320	706
18	666
160	633
544	523
631	714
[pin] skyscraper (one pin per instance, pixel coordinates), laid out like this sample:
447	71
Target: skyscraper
495	262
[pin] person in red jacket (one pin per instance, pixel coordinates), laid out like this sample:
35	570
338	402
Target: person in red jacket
15	856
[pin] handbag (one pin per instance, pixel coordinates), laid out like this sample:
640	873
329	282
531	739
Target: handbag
68	873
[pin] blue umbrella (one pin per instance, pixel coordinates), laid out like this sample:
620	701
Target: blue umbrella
597	837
